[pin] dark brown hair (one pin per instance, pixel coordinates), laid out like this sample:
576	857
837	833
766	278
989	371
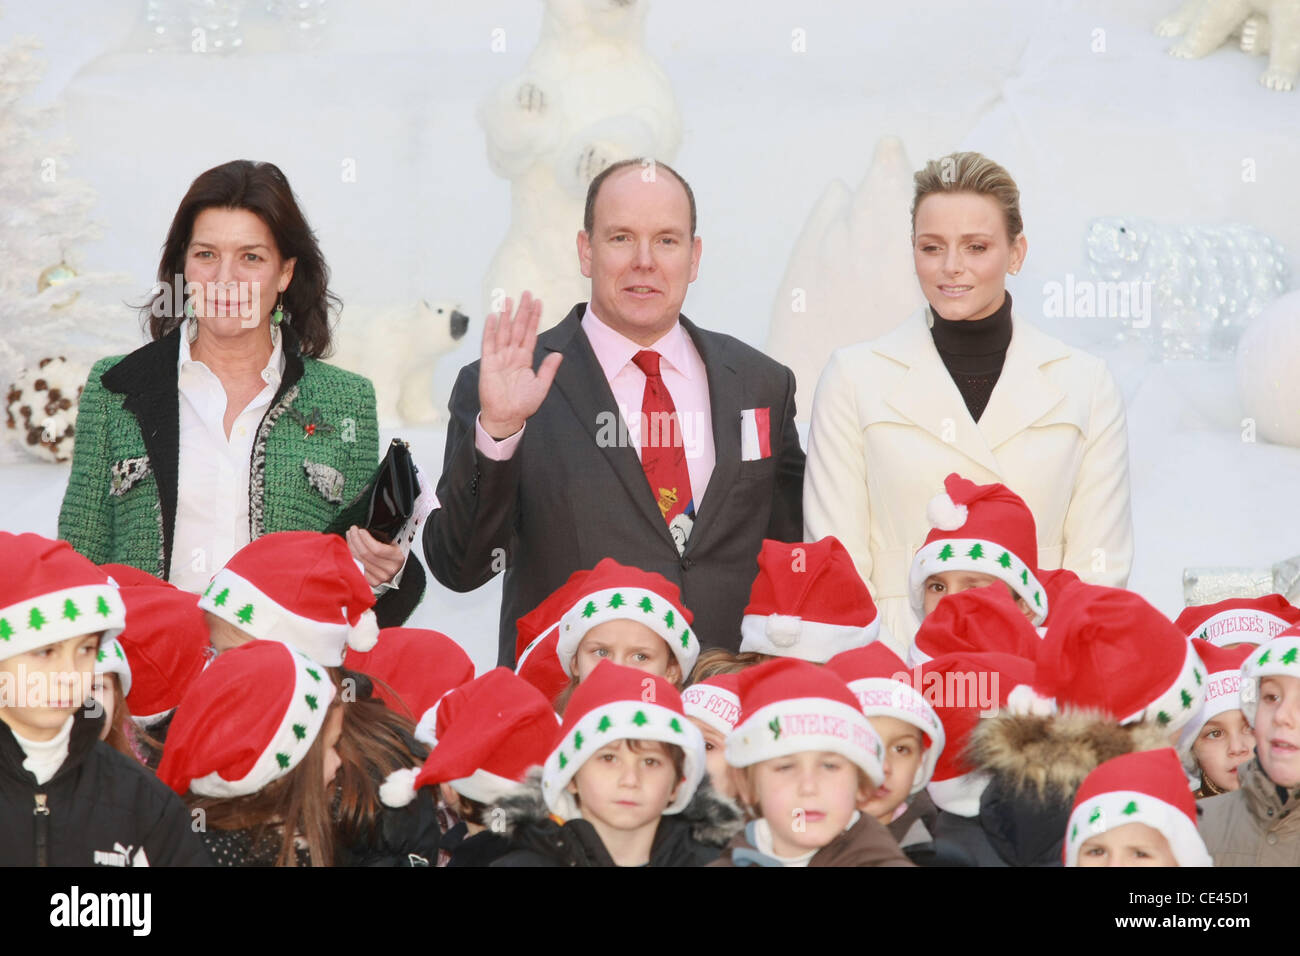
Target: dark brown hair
589	212
375	742
121	734
294	806
263	190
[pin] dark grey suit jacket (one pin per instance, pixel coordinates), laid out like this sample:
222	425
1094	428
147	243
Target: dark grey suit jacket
562	502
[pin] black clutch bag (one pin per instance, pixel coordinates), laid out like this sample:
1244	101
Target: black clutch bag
387	501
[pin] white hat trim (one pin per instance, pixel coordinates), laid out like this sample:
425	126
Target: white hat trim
1180	701
803	724
959	795
1222	694
715	706
309	681
994	559
784	635
49	618
1109	811
601	606
111	659
1280	657
1272	626
249	609
628	720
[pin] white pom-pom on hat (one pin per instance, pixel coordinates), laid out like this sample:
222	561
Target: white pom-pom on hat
364	635
783	630
943	513
1023	701
398	788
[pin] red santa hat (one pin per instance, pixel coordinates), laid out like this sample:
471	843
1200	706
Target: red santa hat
789	706
984	528
714	701
1239	620
1279	657
962	688
1222	691
414	667
248	720
166	643
537	638
1146	787
302	588
1109	650
620	703
49	593
808	601
611	592
881	682
125	576
494	729
973	621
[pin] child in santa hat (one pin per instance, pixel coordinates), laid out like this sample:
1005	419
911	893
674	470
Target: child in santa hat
66	797
1239	621
1258	824
1218	739
253	746
713	705
911	732
622	785
805	759
1135	810
980	535
108	689
613	612
486	735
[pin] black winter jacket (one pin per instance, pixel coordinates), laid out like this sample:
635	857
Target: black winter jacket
99	808
693	837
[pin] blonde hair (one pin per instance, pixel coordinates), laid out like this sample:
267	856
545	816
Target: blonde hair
719	660
970	172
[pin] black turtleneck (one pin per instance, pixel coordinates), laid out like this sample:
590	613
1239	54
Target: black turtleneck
973	352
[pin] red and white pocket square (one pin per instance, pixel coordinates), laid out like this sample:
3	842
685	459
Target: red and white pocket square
755	434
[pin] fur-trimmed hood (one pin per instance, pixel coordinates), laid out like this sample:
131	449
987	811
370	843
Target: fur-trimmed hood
713	818
1049	757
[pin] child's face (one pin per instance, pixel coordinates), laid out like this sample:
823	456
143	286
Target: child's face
1133	844
1277	730
807	798
904	751
629	643
332	731
715	759
938	586
626	789
103	690
1224	744
49	685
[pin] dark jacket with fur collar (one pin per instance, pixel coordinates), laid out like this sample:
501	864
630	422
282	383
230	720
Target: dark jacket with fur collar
693	837
1035	765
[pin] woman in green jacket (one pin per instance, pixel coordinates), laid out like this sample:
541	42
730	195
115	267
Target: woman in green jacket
227	425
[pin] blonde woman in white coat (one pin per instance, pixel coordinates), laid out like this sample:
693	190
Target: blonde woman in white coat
965	385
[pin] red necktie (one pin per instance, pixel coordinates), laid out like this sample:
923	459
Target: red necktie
663	454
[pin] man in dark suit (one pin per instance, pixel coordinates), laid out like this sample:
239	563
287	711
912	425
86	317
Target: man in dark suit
542	481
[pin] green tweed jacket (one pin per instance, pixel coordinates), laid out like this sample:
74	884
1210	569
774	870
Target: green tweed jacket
315	449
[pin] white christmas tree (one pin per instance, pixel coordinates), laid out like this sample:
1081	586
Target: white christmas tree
46	308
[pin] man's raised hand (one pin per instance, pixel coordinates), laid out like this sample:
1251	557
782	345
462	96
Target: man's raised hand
509	391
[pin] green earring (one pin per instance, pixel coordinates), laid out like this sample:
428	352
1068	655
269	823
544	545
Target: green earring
189	308
278	315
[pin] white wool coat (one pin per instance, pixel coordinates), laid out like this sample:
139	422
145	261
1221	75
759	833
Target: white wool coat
889	424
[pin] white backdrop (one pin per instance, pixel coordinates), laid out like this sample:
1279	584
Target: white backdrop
393	87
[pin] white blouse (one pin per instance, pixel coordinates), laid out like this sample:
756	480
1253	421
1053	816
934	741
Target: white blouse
213	470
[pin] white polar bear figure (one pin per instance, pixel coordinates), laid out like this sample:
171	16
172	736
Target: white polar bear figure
590	95
850	277
397	348
1264	26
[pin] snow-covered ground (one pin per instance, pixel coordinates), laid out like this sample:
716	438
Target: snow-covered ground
1076	97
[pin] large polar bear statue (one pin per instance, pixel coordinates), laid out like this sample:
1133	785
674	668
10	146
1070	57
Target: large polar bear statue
589	95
